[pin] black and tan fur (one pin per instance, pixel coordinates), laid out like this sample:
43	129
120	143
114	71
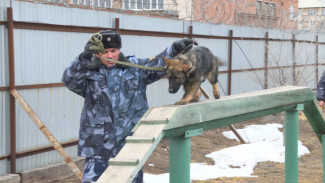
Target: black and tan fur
190	70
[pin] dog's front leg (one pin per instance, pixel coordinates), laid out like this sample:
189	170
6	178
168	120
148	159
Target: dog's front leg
190	90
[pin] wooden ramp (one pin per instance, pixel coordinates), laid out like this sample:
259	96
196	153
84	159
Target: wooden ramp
147	135
175	121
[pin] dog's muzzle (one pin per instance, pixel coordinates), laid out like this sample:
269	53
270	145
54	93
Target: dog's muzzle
171	90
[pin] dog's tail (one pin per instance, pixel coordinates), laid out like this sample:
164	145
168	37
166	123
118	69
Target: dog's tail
220	61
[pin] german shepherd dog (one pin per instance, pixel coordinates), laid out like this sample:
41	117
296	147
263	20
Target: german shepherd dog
190	70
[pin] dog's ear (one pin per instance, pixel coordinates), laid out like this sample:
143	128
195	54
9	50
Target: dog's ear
167	61
186	68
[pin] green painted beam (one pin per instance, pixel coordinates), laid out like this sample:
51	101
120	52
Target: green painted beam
315	118
209	125
212	114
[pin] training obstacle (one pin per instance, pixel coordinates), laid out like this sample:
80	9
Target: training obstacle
180	123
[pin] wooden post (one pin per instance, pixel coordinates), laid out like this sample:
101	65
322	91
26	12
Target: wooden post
47	133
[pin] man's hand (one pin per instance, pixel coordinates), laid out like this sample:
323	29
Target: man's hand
94	45
321	104
182	46
88	52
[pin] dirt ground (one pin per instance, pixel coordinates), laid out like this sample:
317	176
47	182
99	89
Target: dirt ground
310	165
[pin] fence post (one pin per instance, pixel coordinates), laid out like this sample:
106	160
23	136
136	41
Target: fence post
294	60
10	26
266	60
317	62
117	24
291	144
179	159
230	61
191	32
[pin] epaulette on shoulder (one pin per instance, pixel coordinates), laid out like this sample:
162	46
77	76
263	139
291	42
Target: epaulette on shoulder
129	56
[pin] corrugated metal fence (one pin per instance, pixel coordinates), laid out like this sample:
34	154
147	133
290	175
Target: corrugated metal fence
38	41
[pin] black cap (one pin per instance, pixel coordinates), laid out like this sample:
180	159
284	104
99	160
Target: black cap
111	39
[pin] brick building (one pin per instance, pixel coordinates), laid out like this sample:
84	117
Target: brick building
311	14
279	14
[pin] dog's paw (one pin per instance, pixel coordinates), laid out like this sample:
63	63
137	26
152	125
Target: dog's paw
217	96
181	102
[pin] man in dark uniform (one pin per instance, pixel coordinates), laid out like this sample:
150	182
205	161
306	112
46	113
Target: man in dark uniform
115	97
321	91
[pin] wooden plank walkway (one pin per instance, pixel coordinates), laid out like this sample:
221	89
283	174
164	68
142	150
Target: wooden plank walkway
147	135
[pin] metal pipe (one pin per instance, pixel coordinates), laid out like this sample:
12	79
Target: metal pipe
317	61
39	150
12	110
71	28
291	146
117	24
179	159
294	60
266	60
230	61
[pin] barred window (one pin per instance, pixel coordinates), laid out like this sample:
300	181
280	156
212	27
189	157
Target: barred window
143	4
272	9
95	3
311	12
265	8
259	7
292	12
106	3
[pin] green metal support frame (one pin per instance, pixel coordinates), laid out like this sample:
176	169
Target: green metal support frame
179	159
323	156
183	122
291	145
235	109
180	156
